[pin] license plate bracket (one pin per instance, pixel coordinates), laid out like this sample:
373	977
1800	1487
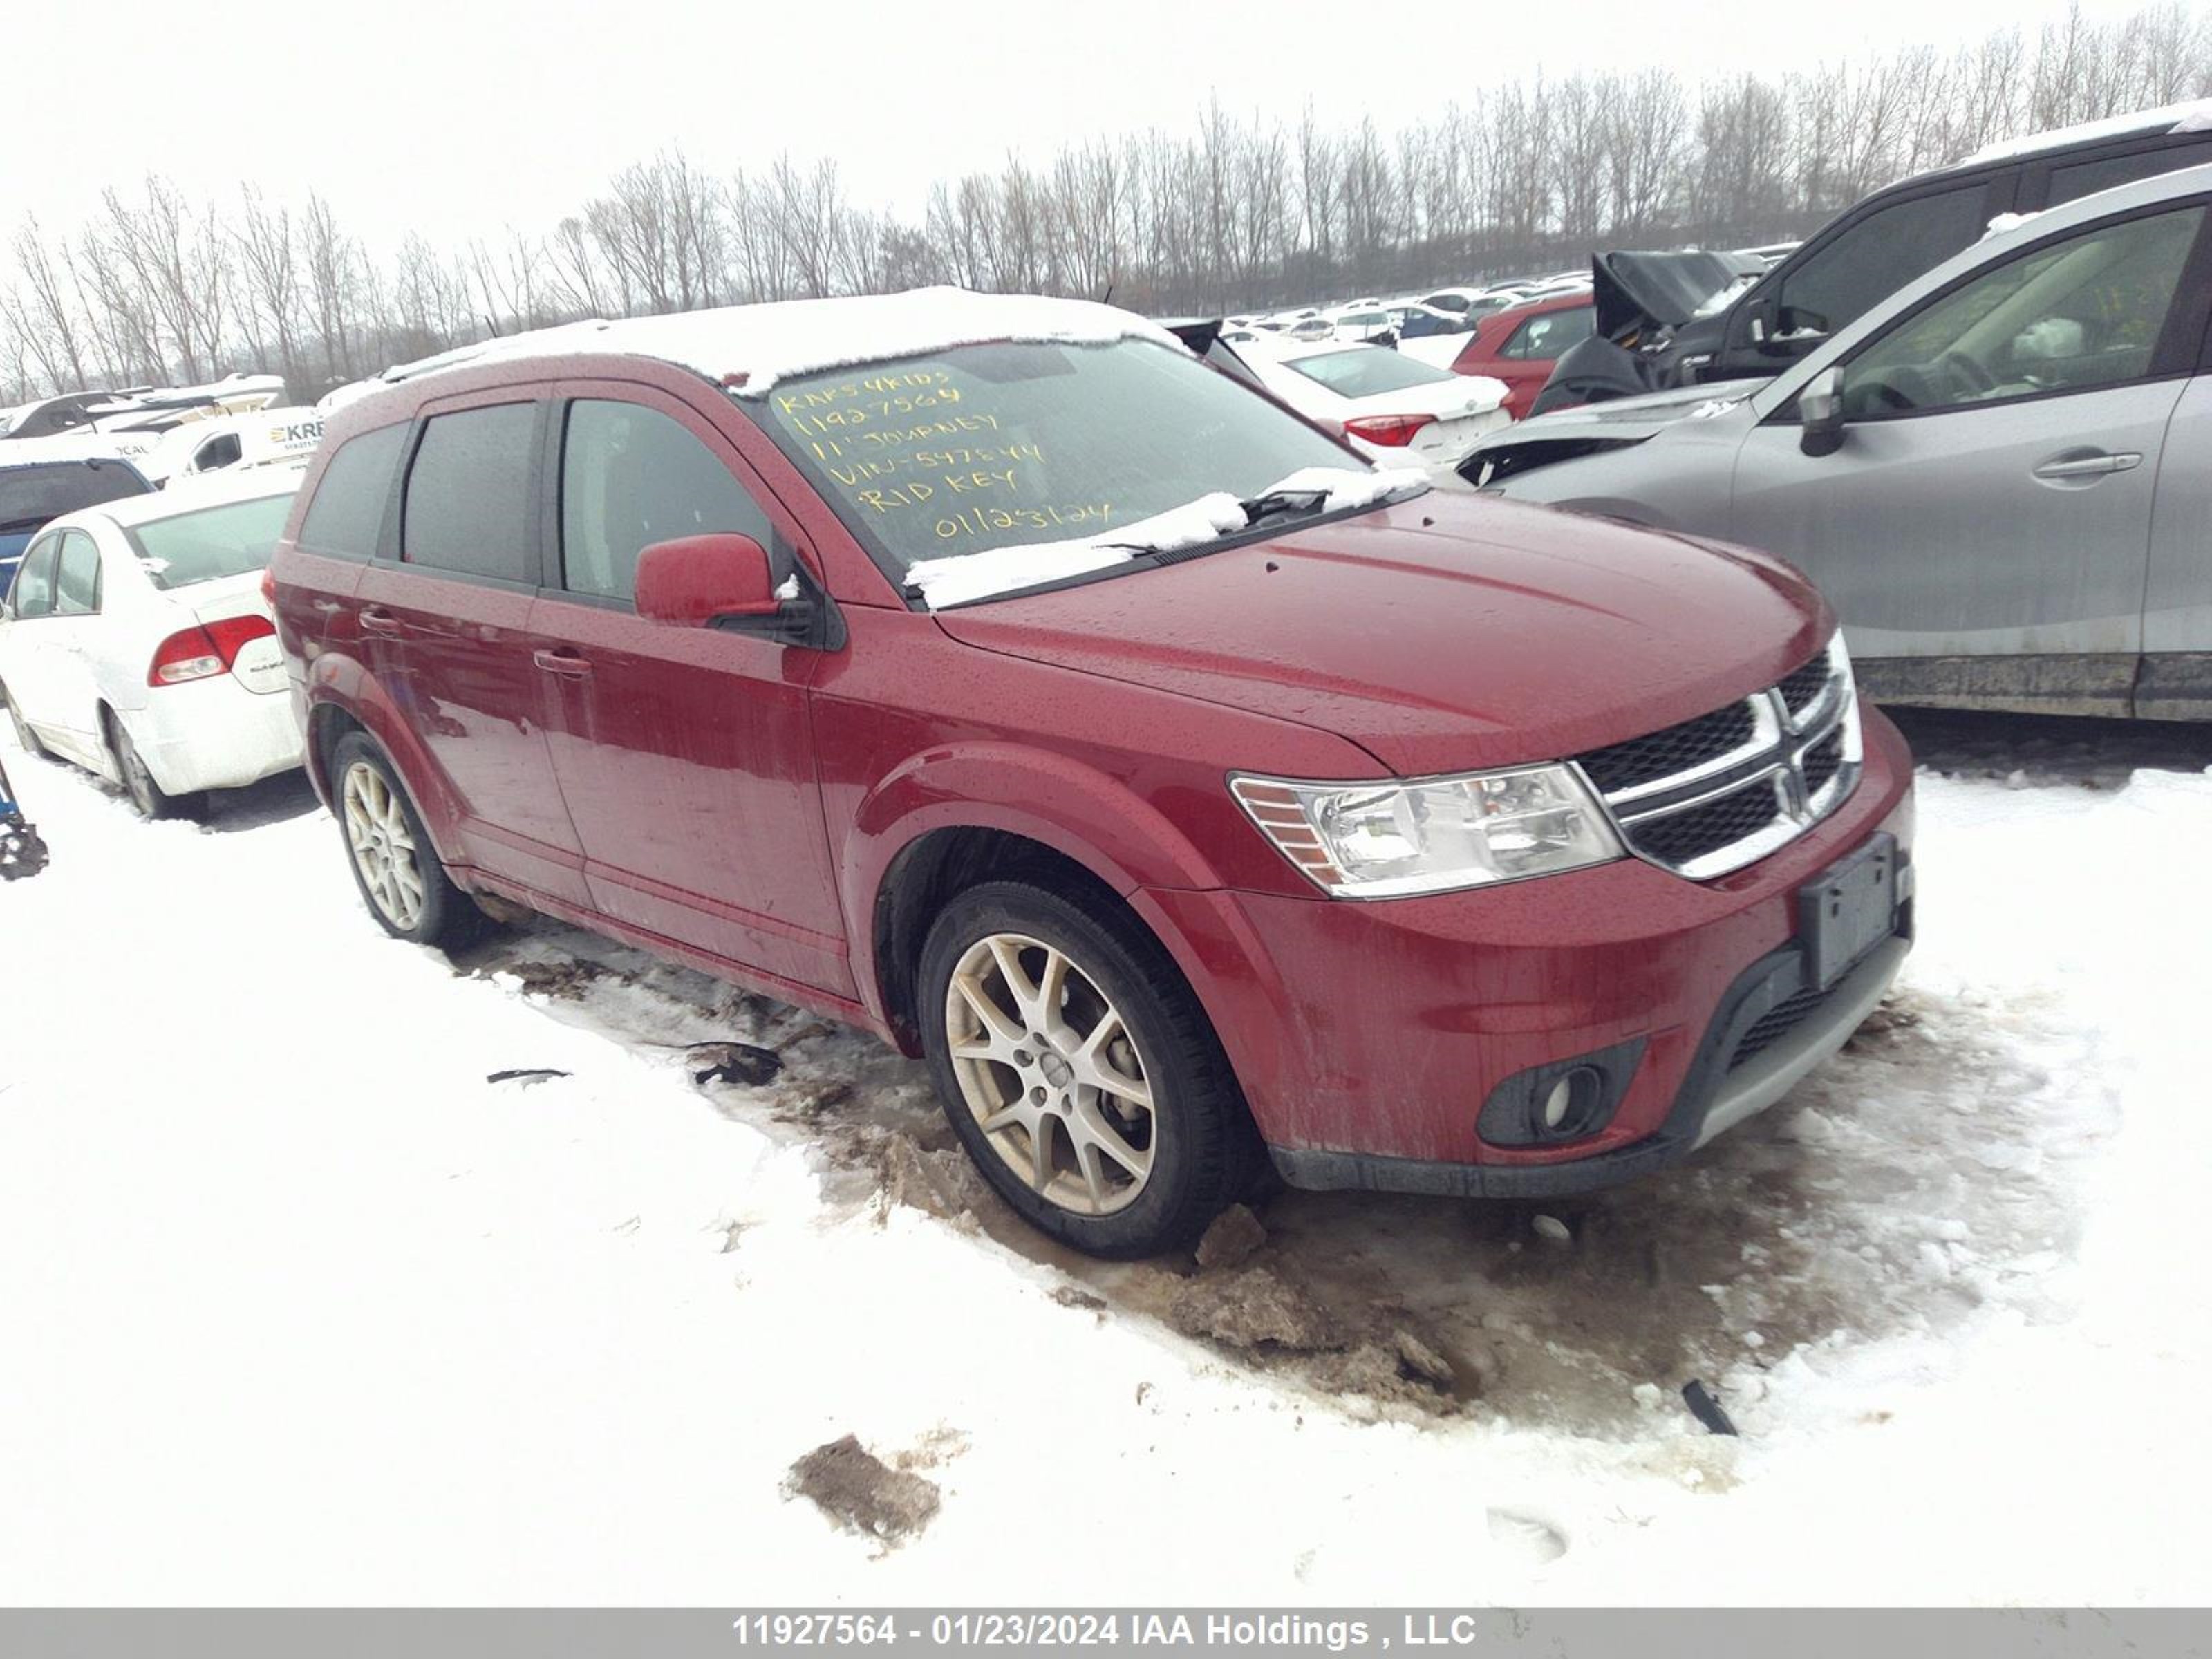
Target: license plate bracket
1848	909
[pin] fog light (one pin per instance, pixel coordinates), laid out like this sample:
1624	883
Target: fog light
1560	1101
1563	1101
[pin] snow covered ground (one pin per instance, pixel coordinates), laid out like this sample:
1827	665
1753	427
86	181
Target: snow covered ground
300	1307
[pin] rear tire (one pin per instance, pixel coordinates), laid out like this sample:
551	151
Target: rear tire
394	865
138	781
26	738
1079	1071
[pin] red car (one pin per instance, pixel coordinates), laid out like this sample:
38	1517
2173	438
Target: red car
1518	345
990	674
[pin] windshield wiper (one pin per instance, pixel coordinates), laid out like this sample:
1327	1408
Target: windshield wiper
1282	503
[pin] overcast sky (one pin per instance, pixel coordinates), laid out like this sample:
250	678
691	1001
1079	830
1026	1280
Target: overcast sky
459	117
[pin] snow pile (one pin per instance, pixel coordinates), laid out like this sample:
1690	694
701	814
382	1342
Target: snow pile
312	1312
766	344
966	577
2007	221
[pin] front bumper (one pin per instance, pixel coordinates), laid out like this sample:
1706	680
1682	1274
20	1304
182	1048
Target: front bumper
1368	1037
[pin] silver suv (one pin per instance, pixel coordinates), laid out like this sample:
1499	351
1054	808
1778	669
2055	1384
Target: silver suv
2002	476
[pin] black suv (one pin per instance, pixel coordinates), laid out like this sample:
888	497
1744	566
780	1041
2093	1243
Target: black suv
1876	246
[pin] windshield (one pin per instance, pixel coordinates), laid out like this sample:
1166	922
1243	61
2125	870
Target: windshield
1364	373
213	543
987	446
29	496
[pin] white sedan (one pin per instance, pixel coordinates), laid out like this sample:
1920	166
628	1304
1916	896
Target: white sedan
135	640
1394	410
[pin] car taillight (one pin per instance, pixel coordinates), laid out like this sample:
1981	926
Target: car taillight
197	654
1394	431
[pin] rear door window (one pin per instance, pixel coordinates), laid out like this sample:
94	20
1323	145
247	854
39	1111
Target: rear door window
468	503
1549	334
631	477
346	518
77	578
1870	260
2110	171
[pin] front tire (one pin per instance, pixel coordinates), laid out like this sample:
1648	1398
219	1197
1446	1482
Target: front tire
1079	1071
394	865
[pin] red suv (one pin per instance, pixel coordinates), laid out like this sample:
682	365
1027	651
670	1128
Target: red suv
991	674
1519	344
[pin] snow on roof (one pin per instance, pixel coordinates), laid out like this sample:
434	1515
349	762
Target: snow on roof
62	446
769	343
189	495
2195	116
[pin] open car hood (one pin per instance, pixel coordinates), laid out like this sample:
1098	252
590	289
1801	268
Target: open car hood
1566	435
1627	420
1636	293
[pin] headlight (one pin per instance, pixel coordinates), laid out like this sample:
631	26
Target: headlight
1384	839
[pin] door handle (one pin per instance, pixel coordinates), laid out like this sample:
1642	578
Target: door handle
2089	466
383	622
564	663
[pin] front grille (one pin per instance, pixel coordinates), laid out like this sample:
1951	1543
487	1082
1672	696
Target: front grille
1700	831
1776	1024
1801	690
1678	749
1822	762
1710	795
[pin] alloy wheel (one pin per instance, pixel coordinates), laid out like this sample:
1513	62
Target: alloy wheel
1051	1073
383	844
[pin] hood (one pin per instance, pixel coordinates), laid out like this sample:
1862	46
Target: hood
1634	292
1621	420
1447	632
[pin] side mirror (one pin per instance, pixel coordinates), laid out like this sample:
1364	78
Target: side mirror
1820	412
692	580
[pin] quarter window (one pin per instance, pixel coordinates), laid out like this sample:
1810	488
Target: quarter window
2070	316
468	493
33	591
631	477
345	519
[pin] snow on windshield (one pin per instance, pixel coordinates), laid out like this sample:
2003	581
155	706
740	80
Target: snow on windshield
1004	445
970	577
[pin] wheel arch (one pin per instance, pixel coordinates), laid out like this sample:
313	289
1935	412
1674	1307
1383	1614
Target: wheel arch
343	696
957	816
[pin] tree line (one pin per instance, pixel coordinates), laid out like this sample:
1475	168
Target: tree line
1238	212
